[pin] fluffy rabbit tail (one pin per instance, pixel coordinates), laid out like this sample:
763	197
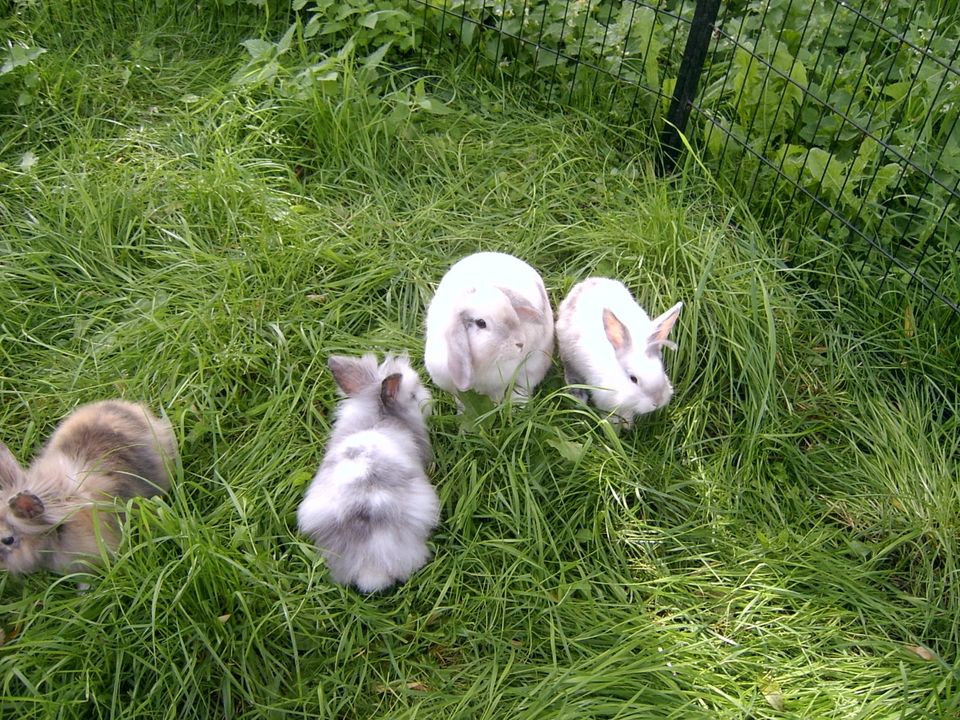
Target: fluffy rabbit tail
371	519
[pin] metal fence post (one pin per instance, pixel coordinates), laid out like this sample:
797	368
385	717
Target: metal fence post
691	66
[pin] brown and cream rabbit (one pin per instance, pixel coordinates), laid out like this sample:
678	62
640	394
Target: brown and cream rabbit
60	512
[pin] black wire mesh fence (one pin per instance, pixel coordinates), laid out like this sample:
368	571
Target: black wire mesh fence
832	119
569	48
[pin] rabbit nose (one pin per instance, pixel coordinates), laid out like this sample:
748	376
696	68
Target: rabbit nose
520	346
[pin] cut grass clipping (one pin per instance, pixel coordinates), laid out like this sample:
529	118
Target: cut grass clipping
780	540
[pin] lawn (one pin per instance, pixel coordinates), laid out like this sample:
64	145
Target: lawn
782	540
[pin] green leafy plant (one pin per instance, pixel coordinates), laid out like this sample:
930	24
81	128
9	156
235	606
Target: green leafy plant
562	43
339	75
369	23
858	116
554	44
18	77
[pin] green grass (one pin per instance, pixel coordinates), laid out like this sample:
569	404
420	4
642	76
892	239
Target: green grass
785	531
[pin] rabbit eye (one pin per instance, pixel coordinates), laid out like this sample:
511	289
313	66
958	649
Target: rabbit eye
633	379
7	540
481	323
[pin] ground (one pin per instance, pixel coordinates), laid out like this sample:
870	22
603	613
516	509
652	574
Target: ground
781	540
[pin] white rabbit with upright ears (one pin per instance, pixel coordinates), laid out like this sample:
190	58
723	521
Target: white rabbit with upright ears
489	324
608	342
370	507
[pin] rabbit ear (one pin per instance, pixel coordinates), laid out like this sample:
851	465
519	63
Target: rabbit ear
389	388
661	329
523	307
26	506
617	332
351	374
10	470
459	361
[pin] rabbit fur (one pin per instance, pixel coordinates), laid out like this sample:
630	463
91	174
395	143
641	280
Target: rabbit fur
59	513
370	507
489	324
608	342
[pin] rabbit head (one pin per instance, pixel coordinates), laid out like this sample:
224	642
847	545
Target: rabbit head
486	336
388	394
24	523
390	389
641	359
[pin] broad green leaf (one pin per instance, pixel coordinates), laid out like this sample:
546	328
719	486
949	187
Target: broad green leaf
467	32
825	171
285	41
400	112
256	73
312	28
898	90
333	27
886	176
433	106
376	57
19	56
569	450
370	20
866	154
258	49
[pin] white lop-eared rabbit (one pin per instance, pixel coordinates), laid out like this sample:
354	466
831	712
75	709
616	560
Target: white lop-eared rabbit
370	507
489	324
609	343
59	513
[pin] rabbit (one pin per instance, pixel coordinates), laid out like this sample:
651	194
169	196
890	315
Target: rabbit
608	342
489	324
370	507
59	512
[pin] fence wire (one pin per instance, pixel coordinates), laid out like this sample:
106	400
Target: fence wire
831	119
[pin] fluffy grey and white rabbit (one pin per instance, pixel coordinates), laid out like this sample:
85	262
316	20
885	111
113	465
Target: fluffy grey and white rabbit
489	324
607	341
60	512
370	507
